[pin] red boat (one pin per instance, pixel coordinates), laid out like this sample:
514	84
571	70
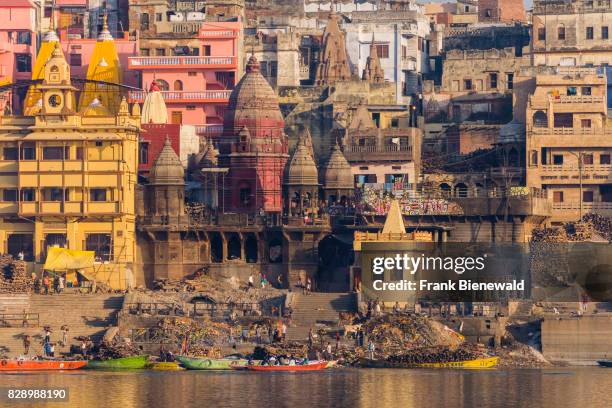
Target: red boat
40	365
322	365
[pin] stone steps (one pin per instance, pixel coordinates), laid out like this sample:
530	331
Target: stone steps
321	308
85	315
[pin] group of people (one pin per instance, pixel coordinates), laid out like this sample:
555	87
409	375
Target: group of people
283	360
48	285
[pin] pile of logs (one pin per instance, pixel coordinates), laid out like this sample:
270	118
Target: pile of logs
13	276
438	354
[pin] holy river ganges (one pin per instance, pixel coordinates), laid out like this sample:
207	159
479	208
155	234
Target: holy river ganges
548	388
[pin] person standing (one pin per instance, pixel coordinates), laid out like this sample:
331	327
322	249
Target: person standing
26	344
284	331
371	349
64	330
310	338
337	340
47	335
251	281
46	284
328	351
60	284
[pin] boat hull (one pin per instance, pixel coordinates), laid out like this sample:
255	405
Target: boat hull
165	366
287	368
488	362
132	363
192	363
605	363
40	365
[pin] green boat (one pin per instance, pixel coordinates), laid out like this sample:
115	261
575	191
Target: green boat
192	363
135	362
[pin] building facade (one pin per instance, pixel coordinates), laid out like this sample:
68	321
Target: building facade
69	179
568	145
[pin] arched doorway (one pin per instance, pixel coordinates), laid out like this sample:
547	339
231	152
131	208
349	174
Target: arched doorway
216	248
234	249
250	249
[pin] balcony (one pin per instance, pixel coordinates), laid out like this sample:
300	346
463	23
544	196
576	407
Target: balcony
565	174
578	103
111	207
569	137
357	153
31	208
182	62
221	96
209	130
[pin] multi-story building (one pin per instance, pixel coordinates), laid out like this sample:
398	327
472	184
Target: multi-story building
17	45
381	145
69	179
568	144
401	42
571	32
193	51
501	11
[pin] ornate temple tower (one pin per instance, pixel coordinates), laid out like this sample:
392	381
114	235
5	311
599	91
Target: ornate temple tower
373	72
338	185
333	60
301	179
254	146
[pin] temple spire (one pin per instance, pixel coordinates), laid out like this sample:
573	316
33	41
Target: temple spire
373	72
333	60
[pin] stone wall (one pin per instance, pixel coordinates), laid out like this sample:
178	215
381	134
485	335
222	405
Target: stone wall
580	340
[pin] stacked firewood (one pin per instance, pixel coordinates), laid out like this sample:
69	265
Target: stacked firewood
437	354
14	276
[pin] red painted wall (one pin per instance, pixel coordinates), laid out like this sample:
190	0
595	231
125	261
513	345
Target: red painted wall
155	136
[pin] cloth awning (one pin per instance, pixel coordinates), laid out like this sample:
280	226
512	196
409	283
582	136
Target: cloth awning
62	259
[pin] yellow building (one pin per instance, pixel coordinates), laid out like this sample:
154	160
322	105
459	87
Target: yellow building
67	178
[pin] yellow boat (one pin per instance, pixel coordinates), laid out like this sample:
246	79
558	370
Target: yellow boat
165	366
478	363
488	362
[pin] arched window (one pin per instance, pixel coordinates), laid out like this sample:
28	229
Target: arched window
478	190
461	190
178	85
533	158
445	190
540	120
163	85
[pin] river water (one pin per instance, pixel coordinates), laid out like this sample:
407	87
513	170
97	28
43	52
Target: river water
548	388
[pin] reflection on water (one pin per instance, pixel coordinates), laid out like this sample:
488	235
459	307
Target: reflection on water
551	388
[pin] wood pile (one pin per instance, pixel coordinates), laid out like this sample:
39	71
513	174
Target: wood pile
14	276
438	354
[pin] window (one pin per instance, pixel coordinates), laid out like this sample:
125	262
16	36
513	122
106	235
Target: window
263	67
540	120
54	152
101	245
586	90
54	194
190	107
192	74
145	52
9	153
394	122
28	194
97	194
587	196
99	143
21	243
79	153
245	196
493	80
604	32
207	50
467	84
144	21
75	60
273	69
9	195
572	91
604	159
589	33
158	17
160	52
587	159
561	33
557	196
558	159
488	13
542	34
510	80
178	85
382	50
28	151
163	85
143	153
23	62
564	120
467	9
24	37
585	123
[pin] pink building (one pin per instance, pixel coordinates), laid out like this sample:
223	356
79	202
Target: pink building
195	88
17	42
78	52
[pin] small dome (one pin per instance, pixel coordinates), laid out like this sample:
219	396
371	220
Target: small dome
167	168
338	171
208	157
95	108
301	170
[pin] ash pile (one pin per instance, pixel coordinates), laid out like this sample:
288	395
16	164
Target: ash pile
13	276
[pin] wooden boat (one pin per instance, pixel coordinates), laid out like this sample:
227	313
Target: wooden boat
487	362
40	365
134	362
605	363
165	366
194	363
316	366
